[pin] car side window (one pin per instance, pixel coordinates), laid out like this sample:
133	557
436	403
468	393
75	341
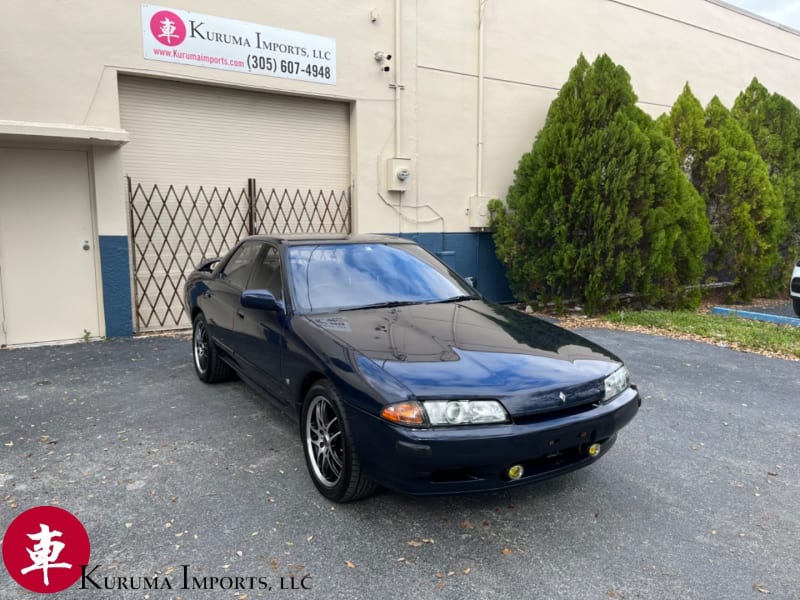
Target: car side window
267	274
237	271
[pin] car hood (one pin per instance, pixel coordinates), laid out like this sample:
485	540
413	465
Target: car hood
475	349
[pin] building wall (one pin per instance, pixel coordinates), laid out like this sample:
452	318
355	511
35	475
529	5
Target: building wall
530	47
463	127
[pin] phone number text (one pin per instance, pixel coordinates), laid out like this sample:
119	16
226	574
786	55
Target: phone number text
288	67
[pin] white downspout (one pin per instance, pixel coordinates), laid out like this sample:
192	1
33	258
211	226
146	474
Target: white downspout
479	160
397	66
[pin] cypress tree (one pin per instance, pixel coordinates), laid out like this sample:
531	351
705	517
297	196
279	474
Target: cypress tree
744	212
774	123
686	126
599	206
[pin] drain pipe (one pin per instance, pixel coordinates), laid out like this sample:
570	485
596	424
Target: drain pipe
479	161
397	66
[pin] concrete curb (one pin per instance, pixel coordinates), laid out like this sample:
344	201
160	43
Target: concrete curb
756	316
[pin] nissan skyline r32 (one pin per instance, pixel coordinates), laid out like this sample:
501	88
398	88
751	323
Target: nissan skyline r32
399	373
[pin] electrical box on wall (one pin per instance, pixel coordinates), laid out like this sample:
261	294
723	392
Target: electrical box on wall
479	212
399	174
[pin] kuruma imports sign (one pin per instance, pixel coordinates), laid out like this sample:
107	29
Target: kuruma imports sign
188	38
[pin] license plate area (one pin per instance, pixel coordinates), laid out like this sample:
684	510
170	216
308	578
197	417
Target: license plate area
565	440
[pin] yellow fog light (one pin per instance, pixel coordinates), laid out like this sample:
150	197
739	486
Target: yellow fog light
594	450
515	472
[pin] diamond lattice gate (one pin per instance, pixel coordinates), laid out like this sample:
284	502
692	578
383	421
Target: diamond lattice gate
173	228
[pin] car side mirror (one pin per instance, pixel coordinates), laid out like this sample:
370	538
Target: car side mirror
259	300
207	264
472	281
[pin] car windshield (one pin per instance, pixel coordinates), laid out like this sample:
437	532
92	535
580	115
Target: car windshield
331	277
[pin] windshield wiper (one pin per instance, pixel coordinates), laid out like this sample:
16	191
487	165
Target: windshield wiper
453	299
388	304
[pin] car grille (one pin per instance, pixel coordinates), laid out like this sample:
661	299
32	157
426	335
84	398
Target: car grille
556	414
549	405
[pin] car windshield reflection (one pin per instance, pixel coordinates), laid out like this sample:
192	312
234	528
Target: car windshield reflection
333	277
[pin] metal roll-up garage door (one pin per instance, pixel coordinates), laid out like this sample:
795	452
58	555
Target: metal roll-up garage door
208	165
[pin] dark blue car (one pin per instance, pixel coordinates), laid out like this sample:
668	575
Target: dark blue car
399	373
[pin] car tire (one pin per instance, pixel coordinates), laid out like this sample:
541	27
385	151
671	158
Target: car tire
328	447
208	365
796	302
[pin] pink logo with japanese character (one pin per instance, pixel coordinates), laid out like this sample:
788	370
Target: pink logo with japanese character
168	28
44	549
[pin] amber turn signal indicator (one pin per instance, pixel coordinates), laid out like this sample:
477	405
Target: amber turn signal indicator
404	413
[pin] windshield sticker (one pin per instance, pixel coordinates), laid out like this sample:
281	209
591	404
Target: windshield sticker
334	324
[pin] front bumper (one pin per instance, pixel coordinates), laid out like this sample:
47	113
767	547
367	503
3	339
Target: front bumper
476	458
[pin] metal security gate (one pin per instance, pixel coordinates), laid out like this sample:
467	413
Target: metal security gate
173	228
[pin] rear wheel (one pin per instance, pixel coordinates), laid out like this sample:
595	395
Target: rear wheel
207	363
796	302
328	446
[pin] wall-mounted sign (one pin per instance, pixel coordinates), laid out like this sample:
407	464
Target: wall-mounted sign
188	38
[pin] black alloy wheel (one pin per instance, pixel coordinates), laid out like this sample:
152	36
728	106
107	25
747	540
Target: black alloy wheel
330	456
207	363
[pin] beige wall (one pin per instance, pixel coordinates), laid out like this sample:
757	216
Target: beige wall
61	62
529	48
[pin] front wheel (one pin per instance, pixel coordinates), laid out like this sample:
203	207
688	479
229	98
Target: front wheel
207	363
796	302
328	447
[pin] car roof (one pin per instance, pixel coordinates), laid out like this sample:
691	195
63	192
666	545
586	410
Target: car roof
297	239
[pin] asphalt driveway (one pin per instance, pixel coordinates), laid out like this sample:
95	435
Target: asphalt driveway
174	479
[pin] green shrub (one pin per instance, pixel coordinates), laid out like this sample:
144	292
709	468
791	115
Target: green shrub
599	206
774	123
744	212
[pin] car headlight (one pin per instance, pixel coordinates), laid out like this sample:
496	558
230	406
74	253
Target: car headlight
465	412
445	412
616	383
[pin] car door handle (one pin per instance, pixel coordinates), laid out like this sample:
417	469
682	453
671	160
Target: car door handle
240	314
207	294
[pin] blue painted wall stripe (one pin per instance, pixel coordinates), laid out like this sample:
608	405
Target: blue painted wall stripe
116	274
467	253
